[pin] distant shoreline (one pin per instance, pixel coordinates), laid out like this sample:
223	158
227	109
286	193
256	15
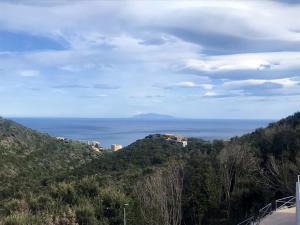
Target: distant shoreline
125	131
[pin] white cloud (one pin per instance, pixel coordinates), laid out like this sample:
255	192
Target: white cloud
246	61
101	95
123	33
142	43
191	84
29	73
210	94
70	68
248	19
285	82
126	50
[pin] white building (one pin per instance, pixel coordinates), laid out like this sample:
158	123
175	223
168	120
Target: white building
116	147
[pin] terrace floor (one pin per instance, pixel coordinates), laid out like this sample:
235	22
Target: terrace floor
281	217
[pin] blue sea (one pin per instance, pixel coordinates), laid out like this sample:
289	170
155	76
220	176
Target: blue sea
126	131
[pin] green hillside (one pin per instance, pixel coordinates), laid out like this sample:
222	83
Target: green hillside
46	181
29	158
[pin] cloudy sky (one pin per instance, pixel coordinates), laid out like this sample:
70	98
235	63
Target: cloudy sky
193	59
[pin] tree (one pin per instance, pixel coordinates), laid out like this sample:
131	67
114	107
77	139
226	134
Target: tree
238	168
160	195
280	175
201	191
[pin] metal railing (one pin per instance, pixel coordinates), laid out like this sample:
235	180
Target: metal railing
248	221
265	211
286	202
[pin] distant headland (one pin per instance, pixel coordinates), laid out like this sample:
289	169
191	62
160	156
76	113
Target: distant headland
153	116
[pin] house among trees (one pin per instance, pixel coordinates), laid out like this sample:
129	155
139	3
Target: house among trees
171	137
61	138
176	138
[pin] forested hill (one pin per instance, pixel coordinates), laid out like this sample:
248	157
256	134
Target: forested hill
28	157
282	137
51	182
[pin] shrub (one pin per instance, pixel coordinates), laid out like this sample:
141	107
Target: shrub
86	215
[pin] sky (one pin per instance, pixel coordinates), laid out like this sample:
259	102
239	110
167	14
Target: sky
190	59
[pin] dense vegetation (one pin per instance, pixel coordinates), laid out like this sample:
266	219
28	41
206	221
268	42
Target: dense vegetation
52	182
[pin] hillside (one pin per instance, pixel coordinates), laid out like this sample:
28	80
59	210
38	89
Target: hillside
277	138
28	157
45	181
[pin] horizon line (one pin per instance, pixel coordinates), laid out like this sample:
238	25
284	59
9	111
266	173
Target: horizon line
132	118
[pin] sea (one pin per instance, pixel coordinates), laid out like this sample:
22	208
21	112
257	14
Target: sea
127	131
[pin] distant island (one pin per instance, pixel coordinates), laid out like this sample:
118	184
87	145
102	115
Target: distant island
153	116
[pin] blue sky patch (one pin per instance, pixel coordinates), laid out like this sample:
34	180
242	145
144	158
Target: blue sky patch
22	42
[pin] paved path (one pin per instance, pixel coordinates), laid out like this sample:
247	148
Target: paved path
281	217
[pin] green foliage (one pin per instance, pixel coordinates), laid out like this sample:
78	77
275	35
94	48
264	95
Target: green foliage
201	182
51	182
86	215
22	219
